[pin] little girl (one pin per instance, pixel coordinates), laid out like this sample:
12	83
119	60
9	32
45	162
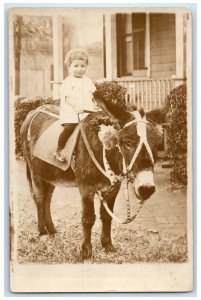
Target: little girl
76	96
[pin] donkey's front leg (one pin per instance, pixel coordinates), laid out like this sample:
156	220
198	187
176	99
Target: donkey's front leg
88	219
106	221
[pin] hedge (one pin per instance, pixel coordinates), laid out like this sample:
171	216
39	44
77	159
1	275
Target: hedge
177	134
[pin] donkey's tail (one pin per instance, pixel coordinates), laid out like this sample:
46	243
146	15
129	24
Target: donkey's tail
28	175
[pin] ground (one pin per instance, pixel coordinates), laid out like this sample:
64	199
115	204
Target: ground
158	234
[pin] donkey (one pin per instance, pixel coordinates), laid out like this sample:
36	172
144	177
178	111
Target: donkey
114	131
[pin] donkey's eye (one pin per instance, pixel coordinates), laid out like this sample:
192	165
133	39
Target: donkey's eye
128	145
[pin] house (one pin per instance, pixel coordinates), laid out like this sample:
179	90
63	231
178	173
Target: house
143	49
146	52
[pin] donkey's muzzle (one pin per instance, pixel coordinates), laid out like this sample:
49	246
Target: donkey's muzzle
145	191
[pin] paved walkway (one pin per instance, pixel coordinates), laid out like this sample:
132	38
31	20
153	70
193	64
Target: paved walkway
169	208
167	211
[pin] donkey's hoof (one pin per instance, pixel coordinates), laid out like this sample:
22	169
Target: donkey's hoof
85	252
109	248
52	231
43	231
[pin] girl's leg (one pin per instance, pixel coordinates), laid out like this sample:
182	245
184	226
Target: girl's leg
64	136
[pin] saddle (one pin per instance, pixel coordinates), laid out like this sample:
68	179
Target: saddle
46	145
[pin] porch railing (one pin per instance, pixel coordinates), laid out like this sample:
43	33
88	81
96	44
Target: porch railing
147	93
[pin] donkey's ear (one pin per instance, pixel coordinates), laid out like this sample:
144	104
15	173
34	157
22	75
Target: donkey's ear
115	111
158	115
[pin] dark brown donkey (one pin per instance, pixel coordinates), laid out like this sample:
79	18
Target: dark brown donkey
126	148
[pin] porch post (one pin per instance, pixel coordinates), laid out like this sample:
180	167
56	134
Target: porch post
179	27
57	55
108	45
147	44
114	46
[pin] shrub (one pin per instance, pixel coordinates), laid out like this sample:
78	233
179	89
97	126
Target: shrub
112	91
177	134
22	107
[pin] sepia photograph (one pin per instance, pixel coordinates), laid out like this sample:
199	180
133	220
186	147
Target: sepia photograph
100	138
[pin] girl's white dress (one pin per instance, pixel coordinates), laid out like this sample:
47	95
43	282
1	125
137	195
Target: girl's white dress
76	95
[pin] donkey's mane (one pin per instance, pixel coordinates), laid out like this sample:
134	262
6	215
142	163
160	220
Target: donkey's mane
94	120
117	111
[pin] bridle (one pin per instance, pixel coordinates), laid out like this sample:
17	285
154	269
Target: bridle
141	132
113	178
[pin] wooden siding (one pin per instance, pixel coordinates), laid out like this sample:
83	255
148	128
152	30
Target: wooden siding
162	45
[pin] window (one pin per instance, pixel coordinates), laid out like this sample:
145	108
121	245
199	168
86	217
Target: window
131	43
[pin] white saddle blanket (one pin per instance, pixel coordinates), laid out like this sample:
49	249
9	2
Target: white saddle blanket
47	143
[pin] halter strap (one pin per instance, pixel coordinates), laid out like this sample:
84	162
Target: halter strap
142	133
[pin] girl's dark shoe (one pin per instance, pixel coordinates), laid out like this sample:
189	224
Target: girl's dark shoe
59	155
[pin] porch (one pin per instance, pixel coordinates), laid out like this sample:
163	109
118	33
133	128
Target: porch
147	93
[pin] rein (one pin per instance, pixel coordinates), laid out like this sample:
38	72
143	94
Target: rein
129	217
141	131
113	180
92	154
